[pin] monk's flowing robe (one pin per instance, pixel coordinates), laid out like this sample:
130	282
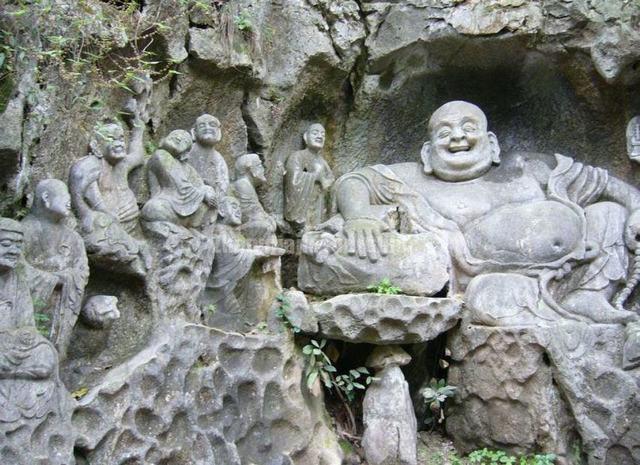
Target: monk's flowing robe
177	191
27	360
303	186
55	255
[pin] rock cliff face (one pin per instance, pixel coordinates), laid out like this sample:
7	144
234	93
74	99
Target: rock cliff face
552	76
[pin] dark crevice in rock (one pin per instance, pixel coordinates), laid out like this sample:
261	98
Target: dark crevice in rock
255	141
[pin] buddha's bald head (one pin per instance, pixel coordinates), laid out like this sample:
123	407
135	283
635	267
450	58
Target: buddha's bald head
459	147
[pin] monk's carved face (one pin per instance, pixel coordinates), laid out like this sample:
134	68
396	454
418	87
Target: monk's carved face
231	211
177	143
314	137
10	249
112	143
257	170
207	130
459	147
58	202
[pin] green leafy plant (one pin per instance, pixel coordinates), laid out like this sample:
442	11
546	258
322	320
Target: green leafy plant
282	312
384	287
435	395
243	21
497	457
319	366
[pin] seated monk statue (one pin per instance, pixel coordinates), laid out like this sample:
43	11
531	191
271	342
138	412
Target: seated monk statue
28	362
230	272
532	239
257	225
58	269
104	202
178	194
178	219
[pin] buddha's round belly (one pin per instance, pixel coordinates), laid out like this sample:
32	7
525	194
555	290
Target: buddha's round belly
538	232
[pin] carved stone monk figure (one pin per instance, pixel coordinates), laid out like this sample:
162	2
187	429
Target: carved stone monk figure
28	362
105	204
532	241
257	225
178	194
233	261
178	220
58	271
307	180
205	158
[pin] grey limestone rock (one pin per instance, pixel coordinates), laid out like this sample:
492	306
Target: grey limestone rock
390	426
386	319
533	388
201	396
633	138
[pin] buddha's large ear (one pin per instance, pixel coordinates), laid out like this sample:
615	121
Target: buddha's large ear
305	138
425	155
494	147
193	135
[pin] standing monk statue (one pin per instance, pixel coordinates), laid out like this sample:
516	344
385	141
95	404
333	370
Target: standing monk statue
58	270
307	180
205	158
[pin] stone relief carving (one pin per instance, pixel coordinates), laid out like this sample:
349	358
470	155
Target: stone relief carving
58	271
307	180
233	262
100	311
568	267
257	225
633	139
390	424
104	202
205	158
32	398
178	218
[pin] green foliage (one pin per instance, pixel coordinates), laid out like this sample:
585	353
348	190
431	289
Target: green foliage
319	365
497	457
435	396
384	287
244	21
107	42
282	312
210	309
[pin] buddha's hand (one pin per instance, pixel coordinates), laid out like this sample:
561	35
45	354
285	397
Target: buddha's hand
632	231
365	238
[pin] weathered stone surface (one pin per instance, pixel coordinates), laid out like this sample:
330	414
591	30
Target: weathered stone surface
299	311
35	408
390	427
417	263
386	319
528	388
197	395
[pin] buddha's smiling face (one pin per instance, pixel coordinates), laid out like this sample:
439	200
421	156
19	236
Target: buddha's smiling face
460	147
